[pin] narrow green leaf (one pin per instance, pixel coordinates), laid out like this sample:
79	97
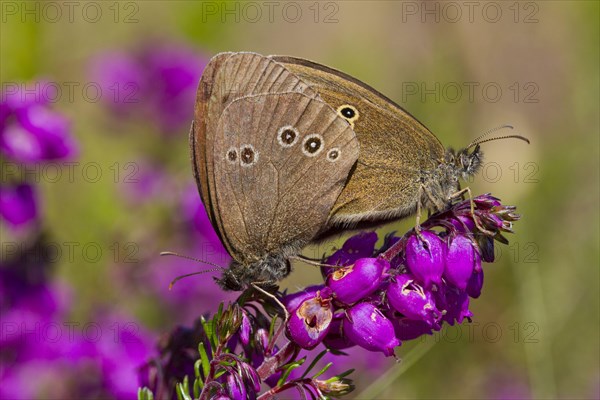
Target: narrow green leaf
204	359
314	362
323	370
145	394
340	376
288	371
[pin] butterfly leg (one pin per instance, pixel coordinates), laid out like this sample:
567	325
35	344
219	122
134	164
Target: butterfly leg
279	331
470	194
418	219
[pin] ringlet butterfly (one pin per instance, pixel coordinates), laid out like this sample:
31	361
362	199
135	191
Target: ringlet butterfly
285	150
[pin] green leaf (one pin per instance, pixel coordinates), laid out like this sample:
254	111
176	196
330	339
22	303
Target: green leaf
323	370
340	376
145	394
204	360
289	368
182	390
314	362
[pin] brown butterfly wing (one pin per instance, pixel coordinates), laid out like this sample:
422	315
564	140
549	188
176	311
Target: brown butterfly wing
271	197
395	147
227	77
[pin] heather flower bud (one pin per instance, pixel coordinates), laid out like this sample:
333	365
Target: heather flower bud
353	283
463	223
262	338
460	261
486	201
310	322
235	387
245	329
475	283
369	328
408	298
425	258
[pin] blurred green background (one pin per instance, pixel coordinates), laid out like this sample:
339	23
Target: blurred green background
536	327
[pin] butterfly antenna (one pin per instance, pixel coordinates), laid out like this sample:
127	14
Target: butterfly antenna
482	138
174	281
489	132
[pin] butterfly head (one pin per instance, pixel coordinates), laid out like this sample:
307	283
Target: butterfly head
264	272
466	162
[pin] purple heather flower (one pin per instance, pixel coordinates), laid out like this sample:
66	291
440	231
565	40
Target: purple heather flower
358	246
158	83
455	303
145	181
460	261
293	301
235	387
425	258
196	217
310	322
245	329
18	204
369	328
408	298
189	296
463	224
355	282
30	131
336	339
409	329
476	281
121	77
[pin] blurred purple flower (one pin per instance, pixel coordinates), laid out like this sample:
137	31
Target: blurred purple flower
18	204
145	180
74	363
190	296
30	131
196	217
43	354
158	83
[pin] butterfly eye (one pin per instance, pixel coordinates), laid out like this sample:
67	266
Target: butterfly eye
287	136
313	145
